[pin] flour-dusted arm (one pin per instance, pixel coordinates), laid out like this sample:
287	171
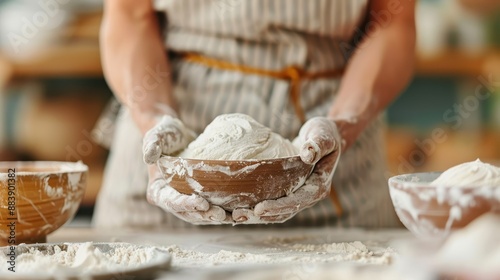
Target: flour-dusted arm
137	69
379	69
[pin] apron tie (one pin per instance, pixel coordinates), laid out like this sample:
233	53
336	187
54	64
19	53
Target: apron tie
336	201
294	74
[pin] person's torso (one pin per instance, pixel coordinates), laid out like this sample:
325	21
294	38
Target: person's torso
271	34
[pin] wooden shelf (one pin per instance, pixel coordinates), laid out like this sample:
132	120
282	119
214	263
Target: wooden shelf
5	72
83	59
457	63
78	59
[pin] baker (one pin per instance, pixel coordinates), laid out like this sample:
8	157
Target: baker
323	70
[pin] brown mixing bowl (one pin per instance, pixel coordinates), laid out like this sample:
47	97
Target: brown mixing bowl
434	211
45	195
235	184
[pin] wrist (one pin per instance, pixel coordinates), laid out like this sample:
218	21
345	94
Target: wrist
354	106
352	117
146	119
349	127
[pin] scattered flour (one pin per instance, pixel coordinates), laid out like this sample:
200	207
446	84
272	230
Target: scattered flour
81	258
238	137
86	258
294	253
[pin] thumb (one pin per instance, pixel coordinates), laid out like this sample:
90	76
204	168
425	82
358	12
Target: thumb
151	147
321	138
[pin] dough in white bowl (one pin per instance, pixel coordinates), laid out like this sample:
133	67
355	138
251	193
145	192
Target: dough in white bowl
470	174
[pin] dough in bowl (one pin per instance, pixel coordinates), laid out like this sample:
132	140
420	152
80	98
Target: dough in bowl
238	137
470	174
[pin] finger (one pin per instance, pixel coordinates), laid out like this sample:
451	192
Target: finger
321	138
325	168
244	215
167	137
285	205
248	216
151	148
310	152
214	215
174	135
317	147
295	202
164	196
160	139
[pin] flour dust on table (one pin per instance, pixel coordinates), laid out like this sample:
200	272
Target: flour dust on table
356	252
60	260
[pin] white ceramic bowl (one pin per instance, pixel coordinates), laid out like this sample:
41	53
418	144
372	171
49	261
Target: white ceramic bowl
430	211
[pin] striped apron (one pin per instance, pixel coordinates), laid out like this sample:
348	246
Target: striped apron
264	34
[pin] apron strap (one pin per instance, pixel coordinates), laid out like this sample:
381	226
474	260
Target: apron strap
293	74
336	202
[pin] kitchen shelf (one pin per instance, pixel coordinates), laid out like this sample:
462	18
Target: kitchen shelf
69	60
78	56
83	59
459	63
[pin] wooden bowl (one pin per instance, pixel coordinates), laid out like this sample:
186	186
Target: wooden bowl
432	211
235	184
37	198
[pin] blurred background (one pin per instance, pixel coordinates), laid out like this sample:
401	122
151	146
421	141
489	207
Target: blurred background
52	91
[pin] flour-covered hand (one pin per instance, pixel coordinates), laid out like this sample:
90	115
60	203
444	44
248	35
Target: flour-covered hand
190	208
317	138
168	136
321	146
316	187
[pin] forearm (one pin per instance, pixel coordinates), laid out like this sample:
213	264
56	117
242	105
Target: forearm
378	71
134	60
